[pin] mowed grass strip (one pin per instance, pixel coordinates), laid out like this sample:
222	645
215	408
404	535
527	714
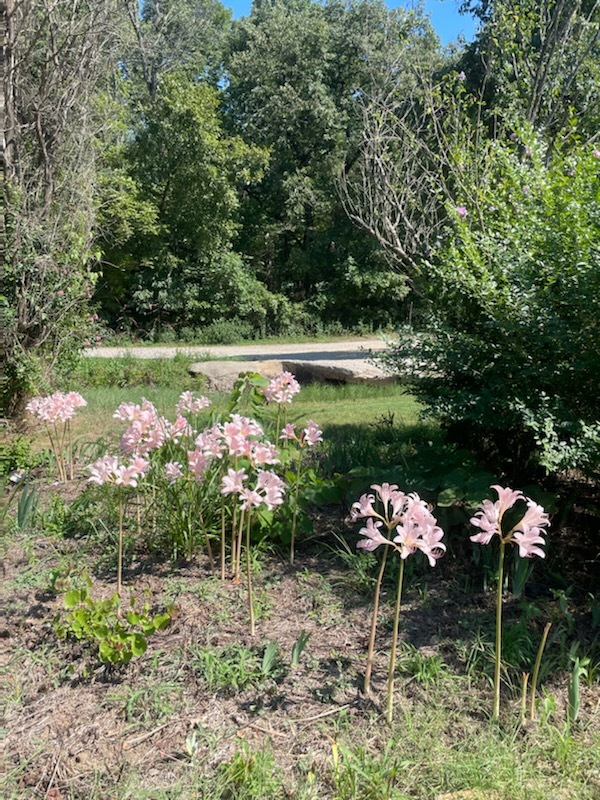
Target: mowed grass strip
162	382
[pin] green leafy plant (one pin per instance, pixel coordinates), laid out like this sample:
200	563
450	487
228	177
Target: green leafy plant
119	636
536	668
26	507
579	670
270	659
17	454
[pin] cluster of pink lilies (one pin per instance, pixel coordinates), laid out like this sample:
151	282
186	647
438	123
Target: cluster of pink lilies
411	527
56	412
237	456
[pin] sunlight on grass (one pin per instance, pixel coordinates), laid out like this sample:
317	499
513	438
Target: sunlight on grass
329	405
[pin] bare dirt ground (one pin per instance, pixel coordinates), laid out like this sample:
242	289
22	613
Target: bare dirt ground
75	728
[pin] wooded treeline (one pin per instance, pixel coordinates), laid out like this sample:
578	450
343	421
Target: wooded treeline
312	165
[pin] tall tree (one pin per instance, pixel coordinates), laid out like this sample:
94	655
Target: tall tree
538	61
483	186
57	57
169	211
294	72
533	64
185	36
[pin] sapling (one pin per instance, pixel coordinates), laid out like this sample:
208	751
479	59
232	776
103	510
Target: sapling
526	533
416	529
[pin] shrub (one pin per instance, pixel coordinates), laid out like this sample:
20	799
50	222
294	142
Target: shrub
511	352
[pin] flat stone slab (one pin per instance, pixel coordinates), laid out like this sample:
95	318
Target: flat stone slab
339	371
222	375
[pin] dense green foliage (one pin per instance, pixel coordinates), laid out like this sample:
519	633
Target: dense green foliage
504	349
512	342
55	62
320	166
218	199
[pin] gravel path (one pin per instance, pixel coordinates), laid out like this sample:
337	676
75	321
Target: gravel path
353	350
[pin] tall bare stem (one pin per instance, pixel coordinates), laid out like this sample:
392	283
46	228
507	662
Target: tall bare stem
295	516
238	548
120	546
370	654
222	540
536	669
498	653
70	440
392	668
249	575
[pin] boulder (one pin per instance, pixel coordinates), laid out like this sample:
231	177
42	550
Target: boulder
339	371
222	375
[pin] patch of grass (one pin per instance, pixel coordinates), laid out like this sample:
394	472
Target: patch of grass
355	418
325	607
128	372
356	405
361	567
147	703
251	774
227	669
423	668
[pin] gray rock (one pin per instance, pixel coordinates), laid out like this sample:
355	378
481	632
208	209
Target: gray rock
222	375
339	371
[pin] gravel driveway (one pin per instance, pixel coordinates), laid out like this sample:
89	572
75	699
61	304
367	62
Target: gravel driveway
352	350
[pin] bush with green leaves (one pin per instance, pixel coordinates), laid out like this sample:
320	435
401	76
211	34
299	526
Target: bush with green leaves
17	454
511	353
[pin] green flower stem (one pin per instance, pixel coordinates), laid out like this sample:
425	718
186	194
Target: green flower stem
498	654
524	681
54	449
222	540
70	444
234	531
249	574
392	669
536	669
55	442
234	536
120	546
209	551
295	516
138	513
190	526
524	696
370	653
154	520
61	438
238	548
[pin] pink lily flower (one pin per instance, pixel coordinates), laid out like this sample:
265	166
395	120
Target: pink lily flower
373	537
